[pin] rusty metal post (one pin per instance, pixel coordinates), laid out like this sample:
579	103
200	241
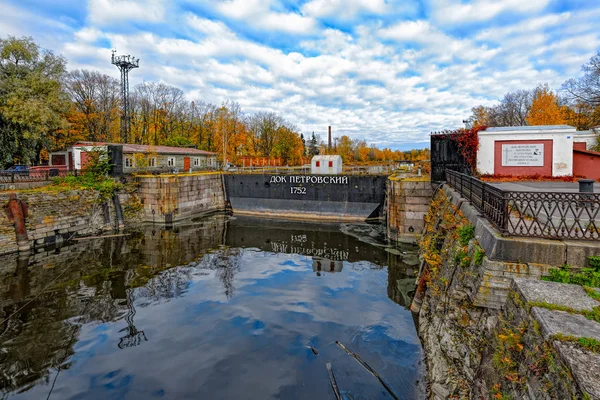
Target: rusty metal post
16	211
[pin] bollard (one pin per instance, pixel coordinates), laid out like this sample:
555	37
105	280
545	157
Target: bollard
16	211
586	186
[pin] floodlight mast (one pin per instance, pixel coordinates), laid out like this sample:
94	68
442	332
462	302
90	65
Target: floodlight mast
125	64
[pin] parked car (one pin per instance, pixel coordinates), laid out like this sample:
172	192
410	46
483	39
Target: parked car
16	169
21	169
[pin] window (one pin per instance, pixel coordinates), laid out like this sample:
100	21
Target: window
128	162
171	161
196	162
152	162
330	164
318	164
210	162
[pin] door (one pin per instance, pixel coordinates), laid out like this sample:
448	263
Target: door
186	163
71	162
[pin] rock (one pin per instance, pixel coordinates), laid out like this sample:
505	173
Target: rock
440	391
394	251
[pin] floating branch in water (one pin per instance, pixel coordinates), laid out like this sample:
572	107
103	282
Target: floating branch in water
334	385
368	368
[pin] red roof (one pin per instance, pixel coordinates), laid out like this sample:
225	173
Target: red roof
142	148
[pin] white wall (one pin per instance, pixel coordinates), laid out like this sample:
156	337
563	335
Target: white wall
323	168
77	150
562	149
589	138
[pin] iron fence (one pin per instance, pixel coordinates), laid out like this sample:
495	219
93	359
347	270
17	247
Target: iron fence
38	176
532	214
306	170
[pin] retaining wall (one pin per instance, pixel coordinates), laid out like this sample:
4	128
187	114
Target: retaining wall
407	203
170	198
478	300
53	216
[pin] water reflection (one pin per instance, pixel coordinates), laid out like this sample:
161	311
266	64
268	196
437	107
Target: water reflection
213	309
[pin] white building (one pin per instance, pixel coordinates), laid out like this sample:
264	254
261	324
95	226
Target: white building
527	150
326	165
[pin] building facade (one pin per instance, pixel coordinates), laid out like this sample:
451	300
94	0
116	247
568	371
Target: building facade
132	158
553	150
326	165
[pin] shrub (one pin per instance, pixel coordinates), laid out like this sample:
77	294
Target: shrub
465	234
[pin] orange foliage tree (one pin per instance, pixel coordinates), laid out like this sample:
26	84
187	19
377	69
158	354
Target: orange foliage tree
545	109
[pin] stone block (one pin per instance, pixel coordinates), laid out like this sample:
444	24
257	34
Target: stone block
561	294
584	366
579	251
555	322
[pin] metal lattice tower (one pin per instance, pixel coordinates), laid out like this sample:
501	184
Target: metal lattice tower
125	64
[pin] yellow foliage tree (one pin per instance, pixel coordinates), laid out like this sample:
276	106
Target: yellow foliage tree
545	109
480	116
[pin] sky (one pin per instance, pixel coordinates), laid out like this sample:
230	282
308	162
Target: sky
386	71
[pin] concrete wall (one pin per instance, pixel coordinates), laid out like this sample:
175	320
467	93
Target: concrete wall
339	197
562	147
407	203
588	137
586	164
175	197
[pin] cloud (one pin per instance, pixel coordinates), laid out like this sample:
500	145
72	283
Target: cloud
457	11
258	13
344	9
106	12
435	41
371	69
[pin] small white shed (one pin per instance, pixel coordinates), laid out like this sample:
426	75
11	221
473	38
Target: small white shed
326	165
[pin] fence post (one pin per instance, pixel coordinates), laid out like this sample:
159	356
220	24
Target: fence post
483	199
12	177
505	213
471	190
47	175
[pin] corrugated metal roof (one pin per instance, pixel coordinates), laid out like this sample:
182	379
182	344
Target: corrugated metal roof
142	148
530	128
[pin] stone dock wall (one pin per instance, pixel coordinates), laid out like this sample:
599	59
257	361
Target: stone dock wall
407	202
482	333
52	215
171	198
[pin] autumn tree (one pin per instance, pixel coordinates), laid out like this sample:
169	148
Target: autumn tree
511	110
32	102
545	109
586	89
95	109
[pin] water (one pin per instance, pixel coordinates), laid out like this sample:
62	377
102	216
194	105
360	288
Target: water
215	309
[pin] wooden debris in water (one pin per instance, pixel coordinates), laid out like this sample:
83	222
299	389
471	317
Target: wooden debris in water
334	385
368	368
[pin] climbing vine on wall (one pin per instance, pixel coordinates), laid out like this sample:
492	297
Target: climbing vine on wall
468	143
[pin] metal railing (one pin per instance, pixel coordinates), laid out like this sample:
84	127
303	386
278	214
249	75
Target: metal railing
548	215
306	170
38	176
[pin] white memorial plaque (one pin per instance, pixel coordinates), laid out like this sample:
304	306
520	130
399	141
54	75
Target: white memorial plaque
523	155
